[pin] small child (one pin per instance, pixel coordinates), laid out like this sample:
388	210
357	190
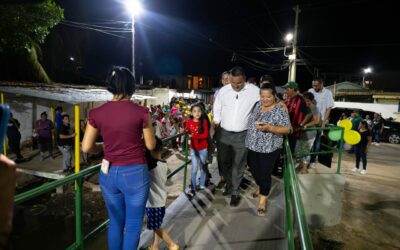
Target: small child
155	207
197	127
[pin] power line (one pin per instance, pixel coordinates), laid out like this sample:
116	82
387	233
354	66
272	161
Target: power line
272	18
350	45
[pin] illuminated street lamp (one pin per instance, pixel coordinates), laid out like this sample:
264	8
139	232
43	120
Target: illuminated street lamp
366	71
289	37
135	8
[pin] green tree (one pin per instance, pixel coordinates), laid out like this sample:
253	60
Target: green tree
24	25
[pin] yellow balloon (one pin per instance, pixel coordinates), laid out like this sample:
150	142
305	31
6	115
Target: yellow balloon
352	137
346	124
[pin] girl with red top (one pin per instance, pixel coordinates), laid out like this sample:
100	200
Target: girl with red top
198	128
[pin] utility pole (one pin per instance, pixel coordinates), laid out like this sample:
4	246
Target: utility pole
293	56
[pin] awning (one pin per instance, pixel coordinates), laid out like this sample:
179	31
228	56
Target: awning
65	93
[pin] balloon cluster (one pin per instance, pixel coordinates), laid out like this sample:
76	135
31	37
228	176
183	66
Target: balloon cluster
351	137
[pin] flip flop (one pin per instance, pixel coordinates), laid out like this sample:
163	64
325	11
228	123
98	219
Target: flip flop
261	212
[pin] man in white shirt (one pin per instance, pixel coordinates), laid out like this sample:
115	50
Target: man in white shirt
325	103
232	108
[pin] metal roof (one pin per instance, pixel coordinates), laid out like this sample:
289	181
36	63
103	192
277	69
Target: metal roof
65	93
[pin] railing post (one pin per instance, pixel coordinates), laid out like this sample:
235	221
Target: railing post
340	150
289	215
186	163
77	139
78	214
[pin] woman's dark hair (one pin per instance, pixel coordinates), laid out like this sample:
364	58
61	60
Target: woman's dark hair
43	113
120	81
268	86
266	78
203	116
309	96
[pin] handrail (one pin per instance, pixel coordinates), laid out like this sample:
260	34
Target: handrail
78	178
339	150
292	190
54	184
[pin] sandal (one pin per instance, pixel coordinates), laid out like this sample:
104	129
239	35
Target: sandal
176	247
261	212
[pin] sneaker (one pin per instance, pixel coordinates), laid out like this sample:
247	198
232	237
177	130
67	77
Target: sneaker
202	187
313	165
377	144
364	172
355	170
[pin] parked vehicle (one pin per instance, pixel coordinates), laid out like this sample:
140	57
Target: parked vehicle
391	131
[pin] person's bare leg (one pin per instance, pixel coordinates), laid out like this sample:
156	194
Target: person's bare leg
156	241
165	236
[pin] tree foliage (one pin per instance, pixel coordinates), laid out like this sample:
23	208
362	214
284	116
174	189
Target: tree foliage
24	23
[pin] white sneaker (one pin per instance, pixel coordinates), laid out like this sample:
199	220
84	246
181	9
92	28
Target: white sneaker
377	144
355	170
364	172
313	165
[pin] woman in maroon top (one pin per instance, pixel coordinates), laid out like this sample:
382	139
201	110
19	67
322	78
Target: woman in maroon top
124	176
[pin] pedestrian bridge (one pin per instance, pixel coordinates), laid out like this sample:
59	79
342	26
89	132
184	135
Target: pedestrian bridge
208	221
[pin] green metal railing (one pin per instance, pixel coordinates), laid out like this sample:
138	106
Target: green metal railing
294	204
78	178
338	150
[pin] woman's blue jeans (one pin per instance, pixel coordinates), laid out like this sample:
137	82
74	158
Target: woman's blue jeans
199	157
125	190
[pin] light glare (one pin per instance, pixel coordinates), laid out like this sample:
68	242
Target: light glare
289	37
367	70
134	7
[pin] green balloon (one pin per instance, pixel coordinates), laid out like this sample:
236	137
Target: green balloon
335	135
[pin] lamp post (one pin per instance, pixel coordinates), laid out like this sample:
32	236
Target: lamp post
134	7
366	72
292	39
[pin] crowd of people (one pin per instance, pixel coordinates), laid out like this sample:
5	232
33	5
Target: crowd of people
246	122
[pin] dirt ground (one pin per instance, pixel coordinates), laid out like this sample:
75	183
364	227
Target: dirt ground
371	204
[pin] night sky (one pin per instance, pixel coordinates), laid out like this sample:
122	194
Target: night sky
182	37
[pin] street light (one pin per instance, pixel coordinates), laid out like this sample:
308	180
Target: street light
135	8
289	37
72	59
366	71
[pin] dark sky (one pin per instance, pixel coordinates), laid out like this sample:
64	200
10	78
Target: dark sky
207	37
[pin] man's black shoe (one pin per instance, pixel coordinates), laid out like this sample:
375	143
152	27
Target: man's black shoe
235	200
226	192
220	185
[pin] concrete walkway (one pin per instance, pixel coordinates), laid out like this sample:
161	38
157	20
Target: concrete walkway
208	222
